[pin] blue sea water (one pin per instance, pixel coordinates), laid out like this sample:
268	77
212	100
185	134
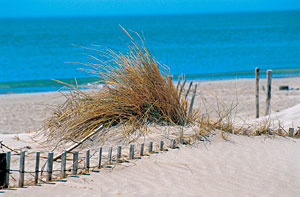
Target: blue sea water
206	46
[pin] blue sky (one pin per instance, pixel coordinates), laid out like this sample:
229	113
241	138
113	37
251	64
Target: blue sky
46	8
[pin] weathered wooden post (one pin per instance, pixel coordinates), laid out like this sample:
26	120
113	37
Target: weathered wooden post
291	132
109	157
37	167
181	89
100	157
22	169
2	169
87	160
257	91
119	153
63	164
172	145
7	169
50	166
142	150
188	91
269	82
131	151
161	146
192	100
75	162
150	147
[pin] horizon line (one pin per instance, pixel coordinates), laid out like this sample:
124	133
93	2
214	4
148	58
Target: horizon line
145	15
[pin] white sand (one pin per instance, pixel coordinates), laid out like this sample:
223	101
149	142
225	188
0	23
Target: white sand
247	166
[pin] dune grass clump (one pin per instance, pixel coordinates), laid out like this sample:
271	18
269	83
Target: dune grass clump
137	90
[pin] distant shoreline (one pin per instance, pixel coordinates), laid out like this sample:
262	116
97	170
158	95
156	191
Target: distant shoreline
48	85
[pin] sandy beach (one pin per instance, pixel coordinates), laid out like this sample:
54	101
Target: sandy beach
240	165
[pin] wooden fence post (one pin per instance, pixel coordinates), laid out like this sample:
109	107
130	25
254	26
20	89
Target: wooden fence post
269	82
192	100
109	157
142	150
63	163
75	162
50	166
100	157
172	145
37	168
22	169
181	89
150	147
291	132
2	169
131	151
161	147
257	91
188	91
87	160
8	154
119	152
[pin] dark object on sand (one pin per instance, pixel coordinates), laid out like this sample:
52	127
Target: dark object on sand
283	87
2	169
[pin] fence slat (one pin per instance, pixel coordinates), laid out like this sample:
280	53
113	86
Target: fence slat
181	89
268	100
172	145
49	166
257	91
161	147
2	169
119	152
87	160
109	157
131	151
37	167
142	149
8	155
63	164
192	100
100	157
75	162
150	147
188	91
291	132
21	169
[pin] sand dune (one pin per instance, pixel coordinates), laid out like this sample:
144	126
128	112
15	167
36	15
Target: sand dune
240	166
243	166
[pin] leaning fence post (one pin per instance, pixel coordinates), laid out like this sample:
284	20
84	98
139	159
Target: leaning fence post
291	132
87	159
181	89
257	91
192	101
2	169
150	147
109	157
22	169
100	157
268	100
37	167
75	162
7	169
119	152
142	150
63	164
188	90
131	151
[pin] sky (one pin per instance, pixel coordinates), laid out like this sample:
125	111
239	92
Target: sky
56	8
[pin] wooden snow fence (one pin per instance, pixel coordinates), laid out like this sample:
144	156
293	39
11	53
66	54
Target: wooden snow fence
79	163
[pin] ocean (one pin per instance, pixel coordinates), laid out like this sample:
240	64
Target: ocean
206	46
